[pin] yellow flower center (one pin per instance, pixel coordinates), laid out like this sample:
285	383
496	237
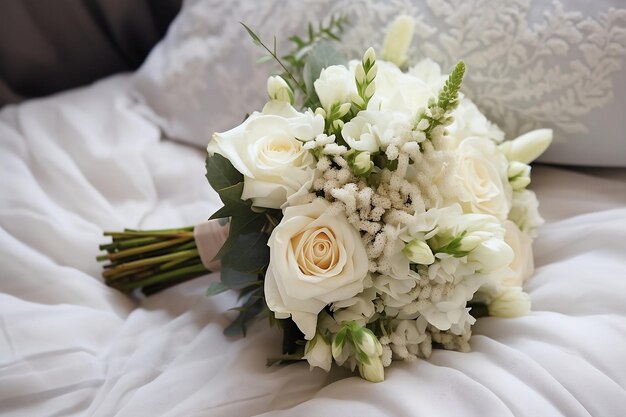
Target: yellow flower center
316	251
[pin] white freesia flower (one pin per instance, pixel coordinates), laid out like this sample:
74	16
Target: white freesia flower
398	40
359	308
318	353
418	252
371	129
429	72
315	259
373	371
522	265
266	150
470	122
525	211
336	85
278	89
397	91
513	302
519	175
528	147
481	174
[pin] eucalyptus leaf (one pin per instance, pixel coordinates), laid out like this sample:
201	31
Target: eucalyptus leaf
234	279
251	222
249	313
321	56
254	246
216	288
221	173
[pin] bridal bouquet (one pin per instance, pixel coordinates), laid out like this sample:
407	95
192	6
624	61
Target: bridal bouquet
369	210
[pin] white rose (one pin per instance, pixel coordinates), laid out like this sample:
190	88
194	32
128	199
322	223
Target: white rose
522	265
318	353
481	173
336	85
266	149
315	259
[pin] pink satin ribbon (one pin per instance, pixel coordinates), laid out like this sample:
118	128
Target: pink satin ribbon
210	236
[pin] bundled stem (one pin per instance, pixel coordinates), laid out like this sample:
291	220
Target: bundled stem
150	260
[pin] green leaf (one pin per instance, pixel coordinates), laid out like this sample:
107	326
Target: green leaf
292	336
249	253
216	288
449	94
254	36
251	222
285	359
236	280
321	56
248	313
234	206
221	173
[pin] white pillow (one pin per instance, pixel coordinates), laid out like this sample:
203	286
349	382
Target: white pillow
558	64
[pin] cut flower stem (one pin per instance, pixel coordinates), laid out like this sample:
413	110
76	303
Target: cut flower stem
150	260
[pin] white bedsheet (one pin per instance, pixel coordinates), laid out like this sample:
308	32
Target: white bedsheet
78	163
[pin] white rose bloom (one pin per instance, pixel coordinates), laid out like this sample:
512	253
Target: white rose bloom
266	150
315	259
522	265
525	211
481	174
320	354
336	85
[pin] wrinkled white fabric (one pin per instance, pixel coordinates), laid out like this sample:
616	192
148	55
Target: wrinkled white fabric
78	163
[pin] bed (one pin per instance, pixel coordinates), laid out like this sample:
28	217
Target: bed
103	157
71	346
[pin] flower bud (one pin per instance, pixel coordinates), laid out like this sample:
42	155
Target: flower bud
340	349
519	175
527	147
359	74
513	302
419	252
398	40
318	353
372	371
471	242
344	109
278	89
362	164
369	55
368	343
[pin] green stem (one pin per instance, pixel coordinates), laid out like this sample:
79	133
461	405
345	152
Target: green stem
143	249
157	259
198	269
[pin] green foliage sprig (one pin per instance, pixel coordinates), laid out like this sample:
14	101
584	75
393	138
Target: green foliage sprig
247	234
303	65
439	112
